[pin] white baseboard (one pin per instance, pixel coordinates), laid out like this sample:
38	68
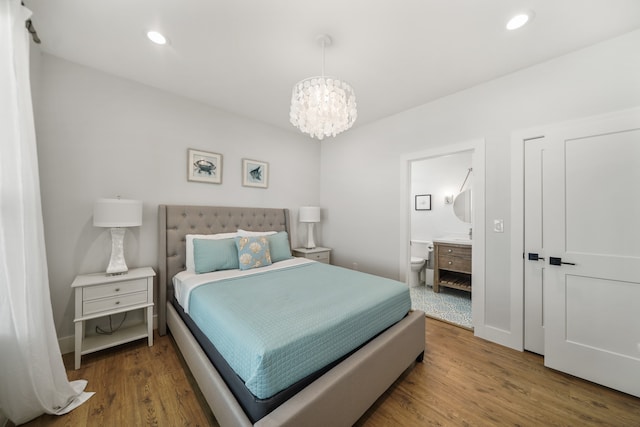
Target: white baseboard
67	345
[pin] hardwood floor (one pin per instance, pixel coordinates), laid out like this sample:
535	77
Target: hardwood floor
135	385
463	381
466	381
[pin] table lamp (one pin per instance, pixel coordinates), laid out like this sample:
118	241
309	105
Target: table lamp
310	215
117	214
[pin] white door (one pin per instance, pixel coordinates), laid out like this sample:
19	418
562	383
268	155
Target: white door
534	255
591	229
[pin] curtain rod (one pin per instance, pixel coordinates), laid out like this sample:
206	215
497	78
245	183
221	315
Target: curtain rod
31	29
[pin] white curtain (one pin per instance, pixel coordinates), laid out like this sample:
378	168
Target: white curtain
33	380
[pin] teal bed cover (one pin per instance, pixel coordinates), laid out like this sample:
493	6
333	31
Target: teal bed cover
277	327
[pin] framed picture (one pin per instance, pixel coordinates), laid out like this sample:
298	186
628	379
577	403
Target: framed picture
203	166
255	173
423	202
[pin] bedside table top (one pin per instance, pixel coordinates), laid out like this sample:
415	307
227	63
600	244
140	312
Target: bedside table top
311	251
102	278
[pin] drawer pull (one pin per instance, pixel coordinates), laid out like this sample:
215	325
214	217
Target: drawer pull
117	289
117	302
450	262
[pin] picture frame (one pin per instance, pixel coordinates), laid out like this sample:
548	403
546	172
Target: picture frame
255	173
423	202
203	166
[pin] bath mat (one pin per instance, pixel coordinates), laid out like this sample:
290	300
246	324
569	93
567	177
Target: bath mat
450	305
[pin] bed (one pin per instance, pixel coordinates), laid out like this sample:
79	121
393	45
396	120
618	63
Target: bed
337	394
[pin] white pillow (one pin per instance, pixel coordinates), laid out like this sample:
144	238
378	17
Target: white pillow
191	266
245	233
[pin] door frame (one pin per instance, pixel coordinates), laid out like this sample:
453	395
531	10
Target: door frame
477	146
518	139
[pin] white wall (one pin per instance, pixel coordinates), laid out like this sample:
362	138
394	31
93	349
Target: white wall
439	176
360	170
102	136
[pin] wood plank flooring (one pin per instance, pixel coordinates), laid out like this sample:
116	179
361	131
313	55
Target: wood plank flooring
135	385
466	381
463	381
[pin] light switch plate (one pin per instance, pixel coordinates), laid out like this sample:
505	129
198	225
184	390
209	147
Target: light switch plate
498	226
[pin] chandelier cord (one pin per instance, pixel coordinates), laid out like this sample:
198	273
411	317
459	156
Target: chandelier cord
323	41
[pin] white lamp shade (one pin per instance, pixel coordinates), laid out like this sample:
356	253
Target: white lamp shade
117	213
309	214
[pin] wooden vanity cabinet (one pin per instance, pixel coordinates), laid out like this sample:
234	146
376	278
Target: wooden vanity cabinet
452	267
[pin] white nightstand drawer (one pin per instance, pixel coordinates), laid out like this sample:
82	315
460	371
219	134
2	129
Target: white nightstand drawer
320	256
112	303
317	254
114	289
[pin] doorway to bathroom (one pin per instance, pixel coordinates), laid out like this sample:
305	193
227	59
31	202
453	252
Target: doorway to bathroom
444	263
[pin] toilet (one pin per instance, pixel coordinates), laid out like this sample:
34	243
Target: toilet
421	251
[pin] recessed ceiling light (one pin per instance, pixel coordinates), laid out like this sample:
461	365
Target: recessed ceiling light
156	37
519	20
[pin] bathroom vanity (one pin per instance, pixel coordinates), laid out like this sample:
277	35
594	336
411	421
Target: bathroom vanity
452	264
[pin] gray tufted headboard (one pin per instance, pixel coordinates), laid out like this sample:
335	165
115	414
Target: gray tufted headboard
175	222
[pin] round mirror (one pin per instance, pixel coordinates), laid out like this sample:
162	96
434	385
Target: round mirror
462	206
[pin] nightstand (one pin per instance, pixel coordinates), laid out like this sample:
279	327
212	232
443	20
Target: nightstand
317	254
99	295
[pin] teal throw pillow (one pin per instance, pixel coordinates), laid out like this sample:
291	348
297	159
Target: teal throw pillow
253	252
213	255
279	246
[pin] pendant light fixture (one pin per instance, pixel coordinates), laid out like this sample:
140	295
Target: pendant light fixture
323	106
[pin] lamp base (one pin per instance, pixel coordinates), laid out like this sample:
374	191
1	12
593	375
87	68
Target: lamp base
116	263
311	244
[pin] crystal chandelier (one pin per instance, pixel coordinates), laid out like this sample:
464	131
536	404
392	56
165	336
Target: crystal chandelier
323	106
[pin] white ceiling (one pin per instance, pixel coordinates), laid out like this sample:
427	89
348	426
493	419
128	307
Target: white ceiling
244	56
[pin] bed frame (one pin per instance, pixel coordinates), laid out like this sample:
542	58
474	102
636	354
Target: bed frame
339	397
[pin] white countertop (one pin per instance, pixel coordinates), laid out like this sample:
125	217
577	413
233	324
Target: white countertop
454	240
